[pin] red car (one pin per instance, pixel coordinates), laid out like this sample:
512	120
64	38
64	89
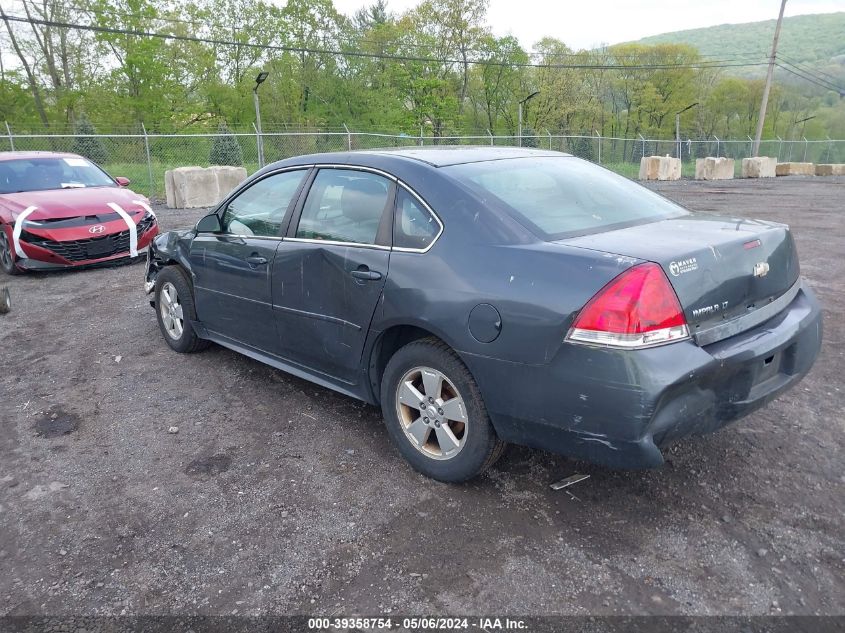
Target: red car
62	211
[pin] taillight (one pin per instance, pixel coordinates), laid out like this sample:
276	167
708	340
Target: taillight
638	308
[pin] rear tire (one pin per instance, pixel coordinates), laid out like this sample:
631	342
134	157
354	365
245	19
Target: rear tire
435	415
7	257
174	303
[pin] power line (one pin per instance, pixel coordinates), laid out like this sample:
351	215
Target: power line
359	54
736	57
817	74
819	71
827	86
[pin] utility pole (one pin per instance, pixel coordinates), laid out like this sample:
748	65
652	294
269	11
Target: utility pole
764	104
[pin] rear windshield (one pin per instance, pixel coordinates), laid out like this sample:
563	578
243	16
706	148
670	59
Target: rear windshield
40	174
557	197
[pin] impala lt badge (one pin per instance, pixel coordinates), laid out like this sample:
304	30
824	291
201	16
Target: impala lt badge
761	269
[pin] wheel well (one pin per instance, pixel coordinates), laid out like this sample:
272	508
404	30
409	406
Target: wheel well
159	264
390	341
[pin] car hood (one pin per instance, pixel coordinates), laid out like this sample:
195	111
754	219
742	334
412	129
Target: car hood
70	203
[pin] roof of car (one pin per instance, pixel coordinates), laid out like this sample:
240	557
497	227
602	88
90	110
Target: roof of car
443	155
25	155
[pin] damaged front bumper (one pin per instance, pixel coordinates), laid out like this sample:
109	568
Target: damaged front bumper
150	271
618	407
149	285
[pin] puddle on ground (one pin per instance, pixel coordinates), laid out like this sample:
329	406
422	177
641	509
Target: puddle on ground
213	465
55	423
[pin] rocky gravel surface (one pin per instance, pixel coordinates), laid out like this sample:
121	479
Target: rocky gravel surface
137	481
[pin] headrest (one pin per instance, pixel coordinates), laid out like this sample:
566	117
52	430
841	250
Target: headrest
363	199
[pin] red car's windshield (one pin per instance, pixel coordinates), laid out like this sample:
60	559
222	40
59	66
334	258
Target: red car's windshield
41	174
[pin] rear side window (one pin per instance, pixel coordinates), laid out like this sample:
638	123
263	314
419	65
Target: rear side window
558	197
414	227
344	205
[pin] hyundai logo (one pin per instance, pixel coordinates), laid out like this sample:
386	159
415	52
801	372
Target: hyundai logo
96	229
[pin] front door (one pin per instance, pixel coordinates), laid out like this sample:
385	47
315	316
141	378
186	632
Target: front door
329	272
232	269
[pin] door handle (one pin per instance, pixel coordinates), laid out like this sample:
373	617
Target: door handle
366	274
256	260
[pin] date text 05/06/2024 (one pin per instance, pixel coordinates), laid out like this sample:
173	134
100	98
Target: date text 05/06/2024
417	623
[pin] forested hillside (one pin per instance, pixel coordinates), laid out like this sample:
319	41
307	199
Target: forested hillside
176	67
804	38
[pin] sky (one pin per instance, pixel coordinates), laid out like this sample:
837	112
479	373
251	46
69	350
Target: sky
591	23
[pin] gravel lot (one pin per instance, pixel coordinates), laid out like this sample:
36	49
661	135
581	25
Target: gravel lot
277	496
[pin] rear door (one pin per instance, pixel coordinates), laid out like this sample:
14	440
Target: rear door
329	272
232	269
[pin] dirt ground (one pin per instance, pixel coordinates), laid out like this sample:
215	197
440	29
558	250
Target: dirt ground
276	496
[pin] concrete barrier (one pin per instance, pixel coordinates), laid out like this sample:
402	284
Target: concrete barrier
660	168
228	178
710	168
759	167
192	187
830	169
795	169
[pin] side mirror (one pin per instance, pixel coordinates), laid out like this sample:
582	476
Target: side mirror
122	181
210	224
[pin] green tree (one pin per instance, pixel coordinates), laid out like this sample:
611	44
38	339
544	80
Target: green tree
494	87
87	145
225	149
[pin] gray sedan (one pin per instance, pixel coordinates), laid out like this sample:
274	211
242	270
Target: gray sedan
482	296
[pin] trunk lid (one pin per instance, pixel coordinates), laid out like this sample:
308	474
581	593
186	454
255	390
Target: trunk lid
720	268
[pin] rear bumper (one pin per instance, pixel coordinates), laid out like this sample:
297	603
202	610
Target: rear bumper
617	407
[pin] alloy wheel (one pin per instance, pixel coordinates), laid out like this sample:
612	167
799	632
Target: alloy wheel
170	308
432	413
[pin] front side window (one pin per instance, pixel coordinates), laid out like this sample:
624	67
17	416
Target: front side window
414	226
260	209
558	197
344	205
41	174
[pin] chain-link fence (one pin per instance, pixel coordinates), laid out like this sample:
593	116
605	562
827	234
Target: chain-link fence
144	158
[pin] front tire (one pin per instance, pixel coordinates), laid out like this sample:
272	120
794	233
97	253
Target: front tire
435	415
174	302
7	257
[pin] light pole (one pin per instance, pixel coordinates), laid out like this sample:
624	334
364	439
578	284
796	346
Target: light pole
803	123
678	125
260	79
528	98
